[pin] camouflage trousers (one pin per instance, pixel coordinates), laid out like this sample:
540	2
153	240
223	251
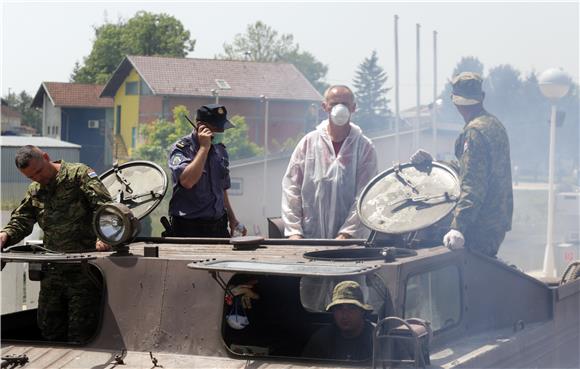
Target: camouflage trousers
486	242
68	305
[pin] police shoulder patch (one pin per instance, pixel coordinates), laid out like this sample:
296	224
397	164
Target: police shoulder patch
177	159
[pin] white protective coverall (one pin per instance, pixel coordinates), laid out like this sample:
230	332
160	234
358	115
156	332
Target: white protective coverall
320	189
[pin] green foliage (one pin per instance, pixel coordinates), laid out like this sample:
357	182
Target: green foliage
372	104
237	141
287	146
161	134
30	116
144	34
263	44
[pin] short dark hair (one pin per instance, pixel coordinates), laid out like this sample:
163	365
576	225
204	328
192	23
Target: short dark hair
25	154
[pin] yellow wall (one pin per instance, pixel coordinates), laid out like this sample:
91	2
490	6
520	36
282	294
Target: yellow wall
129	110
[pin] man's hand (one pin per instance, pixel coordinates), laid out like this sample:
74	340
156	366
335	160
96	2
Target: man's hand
204	136
101	246
421	157
343	236
3	239
454	240
296	237
234	224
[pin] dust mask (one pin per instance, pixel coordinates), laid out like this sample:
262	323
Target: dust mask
340	114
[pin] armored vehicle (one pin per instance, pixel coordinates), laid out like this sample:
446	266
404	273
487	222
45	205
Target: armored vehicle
254	303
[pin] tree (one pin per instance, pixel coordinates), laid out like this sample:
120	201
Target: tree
30	116
370	91
263	44
144	34
160	135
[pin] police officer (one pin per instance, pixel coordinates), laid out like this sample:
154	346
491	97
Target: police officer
62	199
483	213
199	166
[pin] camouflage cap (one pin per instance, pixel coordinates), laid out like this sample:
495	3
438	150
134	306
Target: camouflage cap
467	89
348	292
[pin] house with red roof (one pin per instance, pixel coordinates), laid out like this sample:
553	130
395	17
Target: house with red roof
76	113
146	88
10	118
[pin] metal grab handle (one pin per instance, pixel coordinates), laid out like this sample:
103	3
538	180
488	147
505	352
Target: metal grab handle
403	179
446	196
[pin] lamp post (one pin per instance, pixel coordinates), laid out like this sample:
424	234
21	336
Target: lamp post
264	99
554	84
216	93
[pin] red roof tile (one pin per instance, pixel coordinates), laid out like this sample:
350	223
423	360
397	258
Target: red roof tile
196	77
73	95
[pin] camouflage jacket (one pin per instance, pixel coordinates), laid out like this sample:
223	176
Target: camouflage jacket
64	209
486	200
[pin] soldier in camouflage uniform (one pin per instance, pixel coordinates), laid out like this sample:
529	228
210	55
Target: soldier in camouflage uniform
483	213
62	199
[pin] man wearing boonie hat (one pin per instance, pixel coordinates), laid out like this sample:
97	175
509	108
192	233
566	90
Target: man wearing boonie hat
350	335
199	166
484	210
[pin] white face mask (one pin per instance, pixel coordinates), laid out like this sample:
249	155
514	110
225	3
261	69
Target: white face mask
340	114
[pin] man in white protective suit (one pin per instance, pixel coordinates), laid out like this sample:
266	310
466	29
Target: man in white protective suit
327	172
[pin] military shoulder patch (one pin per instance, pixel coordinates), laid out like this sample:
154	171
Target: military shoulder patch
92	173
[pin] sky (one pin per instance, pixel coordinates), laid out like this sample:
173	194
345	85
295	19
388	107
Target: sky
41	41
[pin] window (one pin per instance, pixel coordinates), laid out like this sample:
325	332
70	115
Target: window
434	296
283	312
132	88
93	124
22	325
145	90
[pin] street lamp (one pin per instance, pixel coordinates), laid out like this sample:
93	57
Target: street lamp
554	84
264	99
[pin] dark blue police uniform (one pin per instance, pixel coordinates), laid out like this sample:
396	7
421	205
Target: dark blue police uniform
199	211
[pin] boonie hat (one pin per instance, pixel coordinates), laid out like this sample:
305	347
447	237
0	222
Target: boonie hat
348	292
214	114
467	89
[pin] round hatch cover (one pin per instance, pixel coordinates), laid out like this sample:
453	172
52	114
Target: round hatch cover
408	198
140	185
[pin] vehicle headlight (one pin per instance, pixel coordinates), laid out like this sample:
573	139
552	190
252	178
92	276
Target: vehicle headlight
115	224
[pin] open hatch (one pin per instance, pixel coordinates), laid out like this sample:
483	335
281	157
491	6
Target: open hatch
271	308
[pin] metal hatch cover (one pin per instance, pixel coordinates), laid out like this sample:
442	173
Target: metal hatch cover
140	185
408	197
288	268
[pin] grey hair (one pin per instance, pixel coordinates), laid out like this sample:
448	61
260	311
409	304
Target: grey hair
25	154
337	86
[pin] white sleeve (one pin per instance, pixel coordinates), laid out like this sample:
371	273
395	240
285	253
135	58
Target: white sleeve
292	192
366	170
